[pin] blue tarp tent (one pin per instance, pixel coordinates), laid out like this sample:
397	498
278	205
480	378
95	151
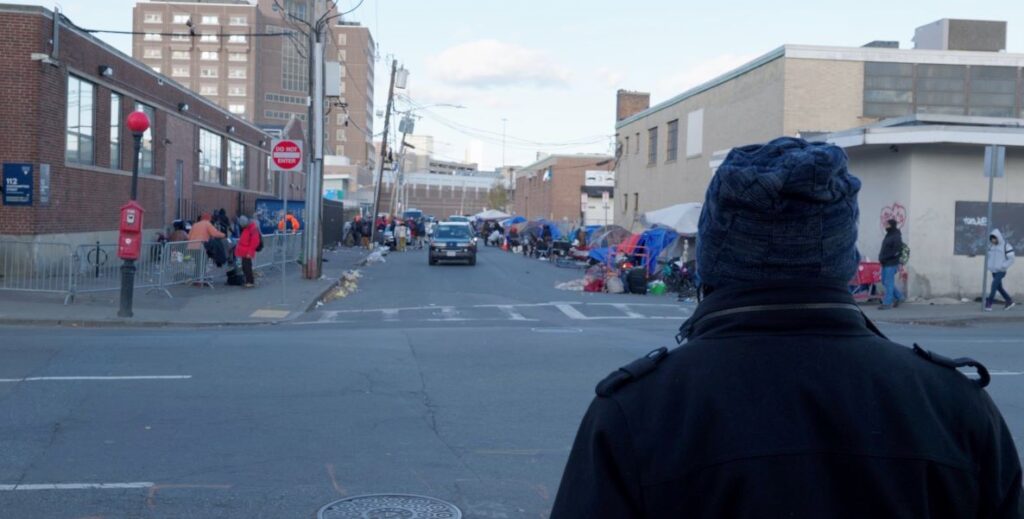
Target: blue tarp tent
654	241
601	255
536	228
507	224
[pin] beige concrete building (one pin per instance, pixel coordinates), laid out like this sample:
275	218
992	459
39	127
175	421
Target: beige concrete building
665	151
225	51
913	121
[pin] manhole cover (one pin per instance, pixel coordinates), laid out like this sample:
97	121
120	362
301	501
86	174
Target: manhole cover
390	506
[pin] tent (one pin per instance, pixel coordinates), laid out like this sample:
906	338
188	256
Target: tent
517	221
607	236
652	242
491	214
682	218
628	245
536	228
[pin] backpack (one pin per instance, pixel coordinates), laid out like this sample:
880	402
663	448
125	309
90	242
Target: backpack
904	254
259	246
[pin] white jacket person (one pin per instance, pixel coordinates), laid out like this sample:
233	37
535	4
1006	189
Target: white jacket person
1000	253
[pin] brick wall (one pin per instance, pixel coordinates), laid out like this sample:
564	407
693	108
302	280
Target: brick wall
629	103
86	198
559	197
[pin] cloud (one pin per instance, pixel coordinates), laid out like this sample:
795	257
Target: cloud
609	77
491	63
701	72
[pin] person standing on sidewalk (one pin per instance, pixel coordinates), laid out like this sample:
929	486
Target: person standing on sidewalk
889	257
248	243
999	259
401	235
785	400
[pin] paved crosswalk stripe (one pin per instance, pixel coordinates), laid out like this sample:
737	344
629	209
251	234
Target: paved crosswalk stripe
628	311
570	311
512	314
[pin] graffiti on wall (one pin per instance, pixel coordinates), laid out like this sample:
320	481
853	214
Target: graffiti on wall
970	230
897	212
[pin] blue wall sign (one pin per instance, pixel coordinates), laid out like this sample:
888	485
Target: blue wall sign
17	184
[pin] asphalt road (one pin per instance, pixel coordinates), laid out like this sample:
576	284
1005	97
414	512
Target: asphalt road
462	383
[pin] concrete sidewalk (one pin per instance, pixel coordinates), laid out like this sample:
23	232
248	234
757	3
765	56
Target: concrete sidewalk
190	305
959	314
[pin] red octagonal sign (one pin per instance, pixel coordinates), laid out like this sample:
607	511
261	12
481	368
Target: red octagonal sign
286	155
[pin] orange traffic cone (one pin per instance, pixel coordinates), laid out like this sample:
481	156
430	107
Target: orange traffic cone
504	246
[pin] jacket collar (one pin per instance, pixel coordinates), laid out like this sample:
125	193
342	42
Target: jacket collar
774	307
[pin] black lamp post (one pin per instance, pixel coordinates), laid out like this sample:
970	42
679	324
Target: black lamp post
131	213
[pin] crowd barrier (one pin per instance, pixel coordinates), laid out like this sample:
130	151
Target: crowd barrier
68	270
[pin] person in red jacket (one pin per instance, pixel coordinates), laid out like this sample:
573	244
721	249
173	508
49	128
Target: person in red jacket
248	242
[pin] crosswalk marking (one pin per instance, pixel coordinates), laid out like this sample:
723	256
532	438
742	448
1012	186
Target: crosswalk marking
512	314
570	311
524	312
628	311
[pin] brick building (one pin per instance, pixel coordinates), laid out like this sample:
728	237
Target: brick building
63	103
552	187
439	195
228	55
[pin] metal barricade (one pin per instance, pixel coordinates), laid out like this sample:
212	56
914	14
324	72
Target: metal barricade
36	267
268	257
183	262
98	269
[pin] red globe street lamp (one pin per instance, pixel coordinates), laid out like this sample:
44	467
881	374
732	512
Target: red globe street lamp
129	240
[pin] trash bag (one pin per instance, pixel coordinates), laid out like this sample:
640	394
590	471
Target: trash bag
656	288
614	285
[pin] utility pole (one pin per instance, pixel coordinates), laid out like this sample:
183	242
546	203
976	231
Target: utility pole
313	243
383	151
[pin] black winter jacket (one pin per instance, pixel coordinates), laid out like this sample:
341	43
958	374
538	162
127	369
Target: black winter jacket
892	246
785	403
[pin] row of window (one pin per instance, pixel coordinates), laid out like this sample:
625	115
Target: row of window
232	38
898	89
284	116
207	72
281	98
203	56
206	19
694	139
81	142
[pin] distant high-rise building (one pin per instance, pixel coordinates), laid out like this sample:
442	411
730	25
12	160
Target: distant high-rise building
226	50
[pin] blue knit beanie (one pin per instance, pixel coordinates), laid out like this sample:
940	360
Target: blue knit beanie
786	210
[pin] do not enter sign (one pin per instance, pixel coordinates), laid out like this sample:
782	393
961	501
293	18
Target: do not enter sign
286	155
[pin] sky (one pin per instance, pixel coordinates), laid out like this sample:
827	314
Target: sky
544	73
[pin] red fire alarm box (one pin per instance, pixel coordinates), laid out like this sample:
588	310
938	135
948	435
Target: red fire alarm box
129	240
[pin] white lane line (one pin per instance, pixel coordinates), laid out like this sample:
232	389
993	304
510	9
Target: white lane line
624	308
570	311
390	314
77	486
1008	373
512	314
141	377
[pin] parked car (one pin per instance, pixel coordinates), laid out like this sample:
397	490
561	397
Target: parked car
452	241
457	218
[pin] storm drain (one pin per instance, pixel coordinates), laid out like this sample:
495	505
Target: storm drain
390	506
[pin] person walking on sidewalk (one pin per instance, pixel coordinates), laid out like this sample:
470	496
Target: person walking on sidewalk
248	244
889	257
785	400
999	259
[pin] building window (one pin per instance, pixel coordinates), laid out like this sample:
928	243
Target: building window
146	156
695	133
236	38
236	90
672	145
343	56
625	147
342	136
239	20
281	98
152	53
208	72
181	19
152	36
208	55
339	149
238	56
237	73
342	39
992	91
636	143
940	89
80	121
652	146
208	90
153	18
636	202
888	89
237	109
180	36
208	38
209	157
211	19
180	72
115	131
236	164
294	68
181	55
